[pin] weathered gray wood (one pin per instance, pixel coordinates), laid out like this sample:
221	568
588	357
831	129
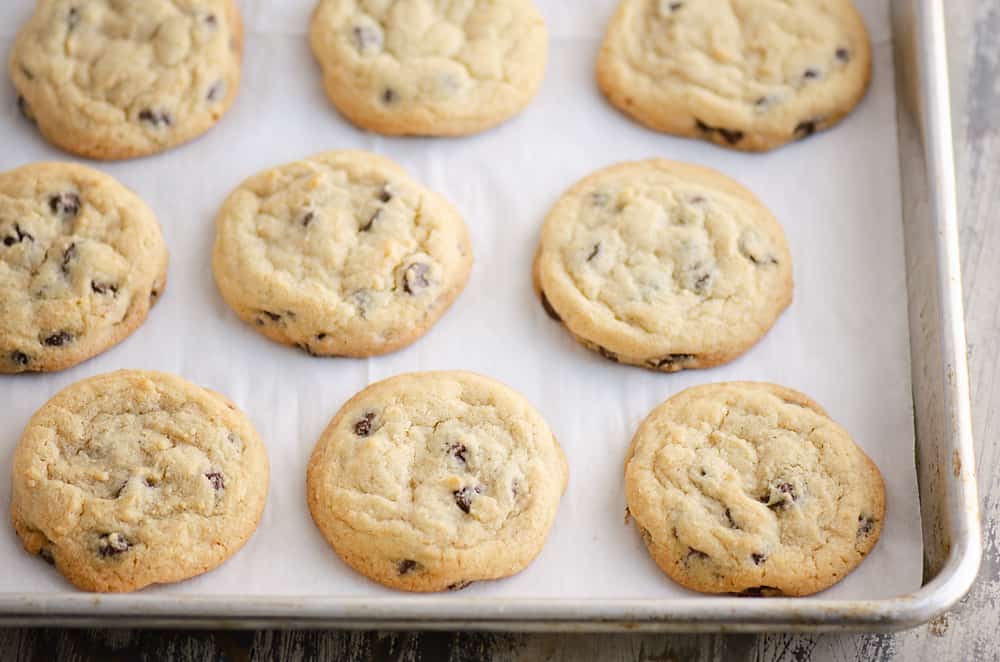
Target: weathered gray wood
968	633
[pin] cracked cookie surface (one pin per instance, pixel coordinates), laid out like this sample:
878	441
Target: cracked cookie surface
341	254
745	74
751	488
664	265
82	261
134	478
429	67
431	481
114	80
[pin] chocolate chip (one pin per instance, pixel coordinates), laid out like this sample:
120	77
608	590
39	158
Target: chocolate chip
384	195
458	586
762	261
759	592
371	221
153	293
58	339
702	281
25	108
65	204
305	347
155	118
365	37
363	428
758	558
217	481
865	525
549	310
729	520
46	555
104	288
73	17
112	544
308	218
19	358
671	361
458	450
388	96
68	256
780	497
415	277
274	317
608	354
696	554
594	251
811	74
600	199
18	236
406	566
731	136
216	91
320	336
805	129
211	20
464	496
362	301
843	54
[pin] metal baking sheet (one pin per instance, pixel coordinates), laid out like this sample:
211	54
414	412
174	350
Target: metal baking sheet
887	206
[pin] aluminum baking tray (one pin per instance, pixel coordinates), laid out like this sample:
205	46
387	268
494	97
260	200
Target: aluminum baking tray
944	450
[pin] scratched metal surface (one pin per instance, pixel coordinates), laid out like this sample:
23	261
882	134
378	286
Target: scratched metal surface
968	633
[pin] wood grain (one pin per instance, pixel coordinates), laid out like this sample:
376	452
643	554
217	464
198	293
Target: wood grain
967	633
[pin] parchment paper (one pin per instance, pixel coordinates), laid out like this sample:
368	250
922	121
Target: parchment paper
844	340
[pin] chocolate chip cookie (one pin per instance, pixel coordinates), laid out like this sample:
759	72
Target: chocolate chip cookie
750	488
82	261
747	74
135	478
114	80
431	481
663	265
426	67
341	254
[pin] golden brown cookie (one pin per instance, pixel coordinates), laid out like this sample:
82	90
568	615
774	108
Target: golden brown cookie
427	67
341	254
663	265
82	261
750	488
115	80
746	74
134	478
432	481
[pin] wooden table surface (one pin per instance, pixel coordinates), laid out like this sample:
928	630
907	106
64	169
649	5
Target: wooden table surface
970	632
